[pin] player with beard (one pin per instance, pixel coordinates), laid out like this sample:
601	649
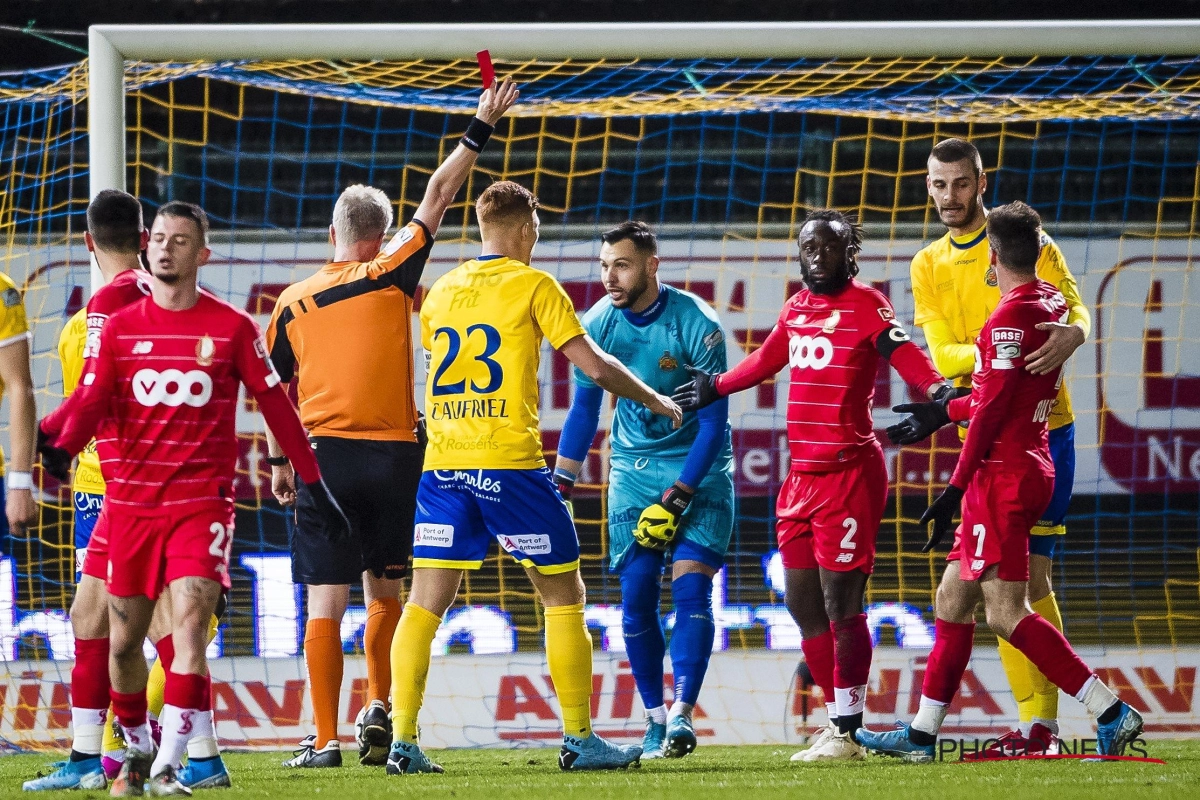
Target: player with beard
164	381
954	290
670	490
832	333
1003	481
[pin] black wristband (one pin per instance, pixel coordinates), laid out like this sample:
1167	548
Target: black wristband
477	135
278	461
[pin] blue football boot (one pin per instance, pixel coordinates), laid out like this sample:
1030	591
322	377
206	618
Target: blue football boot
86	774
681	737
205	773
654	742
407	758
1114	737
895	743
596	753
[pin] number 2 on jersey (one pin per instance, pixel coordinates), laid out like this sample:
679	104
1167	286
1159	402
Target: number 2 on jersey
454	342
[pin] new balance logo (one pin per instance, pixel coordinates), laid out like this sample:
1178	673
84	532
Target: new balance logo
142	348
844	558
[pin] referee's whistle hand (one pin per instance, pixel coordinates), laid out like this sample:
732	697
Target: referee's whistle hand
283	484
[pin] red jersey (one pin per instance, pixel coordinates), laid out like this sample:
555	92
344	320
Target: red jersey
126	288
1009	407
833	344
167	381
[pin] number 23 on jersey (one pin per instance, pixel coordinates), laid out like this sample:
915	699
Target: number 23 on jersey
471	356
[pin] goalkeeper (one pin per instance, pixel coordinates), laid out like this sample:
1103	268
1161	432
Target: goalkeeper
670	491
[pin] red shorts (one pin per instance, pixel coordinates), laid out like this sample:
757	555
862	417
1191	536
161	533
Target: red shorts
147	551
95	562
999	510
830	519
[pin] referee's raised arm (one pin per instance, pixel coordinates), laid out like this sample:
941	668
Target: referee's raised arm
450	176
345	335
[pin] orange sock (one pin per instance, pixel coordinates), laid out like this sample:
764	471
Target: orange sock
323	656
382	618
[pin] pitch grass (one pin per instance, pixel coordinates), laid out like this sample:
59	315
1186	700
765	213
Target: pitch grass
725	772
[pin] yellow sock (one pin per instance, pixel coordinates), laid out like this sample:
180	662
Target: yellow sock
1045	693
112	742
1017	668
569	653
410	667
155	687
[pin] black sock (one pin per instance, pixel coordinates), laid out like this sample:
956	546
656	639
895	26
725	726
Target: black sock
1110	713
78	756
921	737
849	723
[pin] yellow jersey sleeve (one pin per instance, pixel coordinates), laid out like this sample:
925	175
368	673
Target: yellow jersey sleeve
71	344
925	305
13	325
554	312
953	359
1052	268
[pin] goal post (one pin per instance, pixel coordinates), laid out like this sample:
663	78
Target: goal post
721	137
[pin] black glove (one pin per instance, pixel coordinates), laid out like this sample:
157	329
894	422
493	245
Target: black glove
699	392
941	513
924	419
55	461
422	432
336	526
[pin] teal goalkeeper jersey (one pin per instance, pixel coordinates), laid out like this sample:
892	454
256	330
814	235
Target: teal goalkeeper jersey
680	329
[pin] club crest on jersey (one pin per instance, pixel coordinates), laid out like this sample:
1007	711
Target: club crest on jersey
989	277
831	324
206	348
668	363
886	314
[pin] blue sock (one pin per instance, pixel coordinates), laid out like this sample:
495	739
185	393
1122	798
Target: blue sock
692	639
645	643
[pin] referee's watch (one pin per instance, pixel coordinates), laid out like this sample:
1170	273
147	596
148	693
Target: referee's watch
278	461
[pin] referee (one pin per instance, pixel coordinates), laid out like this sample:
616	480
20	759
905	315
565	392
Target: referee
346	334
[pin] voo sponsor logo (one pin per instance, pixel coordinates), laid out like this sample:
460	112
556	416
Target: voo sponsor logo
172	387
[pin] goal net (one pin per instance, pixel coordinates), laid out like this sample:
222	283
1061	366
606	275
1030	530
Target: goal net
723	158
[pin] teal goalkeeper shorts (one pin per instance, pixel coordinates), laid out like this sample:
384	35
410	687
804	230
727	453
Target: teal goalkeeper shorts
637	483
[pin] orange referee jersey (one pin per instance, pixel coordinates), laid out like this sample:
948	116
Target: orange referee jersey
346	332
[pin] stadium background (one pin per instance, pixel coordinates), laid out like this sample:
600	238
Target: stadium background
717	153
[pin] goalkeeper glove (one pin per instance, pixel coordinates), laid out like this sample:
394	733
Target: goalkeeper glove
941	513
699	392
335	525
55	460
658	524
564	482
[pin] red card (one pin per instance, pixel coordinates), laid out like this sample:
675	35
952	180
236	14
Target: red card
486	71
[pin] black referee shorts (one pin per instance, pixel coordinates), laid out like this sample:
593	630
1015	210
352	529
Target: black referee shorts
375	483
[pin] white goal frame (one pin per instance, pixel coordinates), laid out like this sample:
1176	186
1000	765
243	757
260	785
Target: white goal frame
109	46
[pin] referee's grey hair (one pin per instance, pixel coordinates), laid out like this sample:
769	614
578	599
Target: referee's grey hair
362	213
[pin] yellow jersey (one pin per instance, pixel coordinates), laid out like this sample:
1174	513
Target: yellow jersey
71	344
482	326
13	327
955	290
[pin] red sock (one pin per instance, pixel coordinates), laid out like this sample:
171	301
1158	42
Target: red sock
166	652
1051	653
852	653
818	655
89	676
130	708
948	661
185	691
206	701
